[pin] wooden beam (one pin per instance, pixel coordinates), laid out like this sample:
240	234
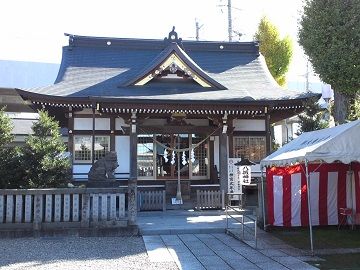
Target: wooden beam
203	130
249	133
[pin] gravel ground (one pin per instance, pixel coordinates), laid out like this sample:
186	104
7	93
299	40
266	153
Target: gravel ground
77	253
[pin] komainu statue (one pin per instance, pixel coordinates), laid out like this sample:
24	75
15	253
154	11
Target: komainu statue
103	169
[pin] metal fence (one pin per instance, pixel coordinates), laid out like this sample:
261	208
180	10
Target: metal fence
246	221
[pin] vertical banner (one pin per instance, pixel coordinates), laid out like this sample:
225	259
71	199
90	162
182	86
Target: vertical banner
233	176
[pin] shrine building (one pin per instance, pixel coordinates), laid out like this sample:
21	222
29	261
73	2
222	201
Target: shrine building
168	107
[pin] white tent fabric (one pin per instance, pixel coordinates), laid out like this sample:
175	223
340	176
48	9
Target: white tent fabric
340	143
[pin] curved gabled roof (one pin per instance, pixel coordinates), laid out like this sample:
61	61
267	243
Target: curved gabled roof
107	68
173	50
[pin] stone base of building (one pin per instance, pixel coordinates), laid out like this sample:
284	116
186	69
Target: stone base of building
102	184
129	230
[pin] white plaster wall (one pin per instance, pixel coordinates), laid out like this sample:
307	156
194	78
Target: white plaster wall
102	124
287	132
296	128
278	134
249	124
197	122
216	152
120	122
122	148
86	124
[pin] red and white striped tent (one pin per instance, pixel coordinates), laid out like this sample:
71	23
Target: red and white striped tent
320	169
332	186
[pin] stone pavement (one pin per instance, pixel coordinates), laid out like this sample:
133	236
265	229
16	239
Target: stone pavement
216	251
197	240
183	221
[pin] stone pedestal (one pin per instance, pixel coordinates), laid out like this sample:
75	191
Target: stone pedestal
132	201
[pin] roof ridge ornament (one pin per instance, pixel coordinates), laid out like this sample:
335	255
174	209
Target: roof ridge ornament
71	38
173	37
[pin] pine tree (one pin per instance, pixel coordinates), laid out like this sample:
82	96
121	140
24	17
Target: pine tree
312	118
6	126
11	174
45	162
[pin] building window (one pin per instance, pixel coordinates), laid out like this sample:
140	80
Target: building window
145	156
83	147
253	148
200	166
102	146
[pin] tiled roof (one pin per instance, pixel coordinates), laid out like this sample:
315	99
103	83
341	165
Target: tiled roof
101	67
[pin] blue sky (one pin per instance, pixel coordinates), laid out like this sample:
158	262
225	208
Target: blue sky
34	30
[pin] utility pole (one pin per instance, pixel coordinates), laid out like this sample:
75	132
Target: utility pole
197	27
229	20
230	28
307	76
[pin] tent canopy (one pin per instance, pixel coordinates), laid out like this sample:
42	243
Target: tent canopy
340	143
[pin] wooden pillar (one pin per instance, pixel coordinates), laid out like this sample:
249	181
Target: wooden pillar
93	136
223	156
231	139
71	134
268	131
112	133
213	177
132	186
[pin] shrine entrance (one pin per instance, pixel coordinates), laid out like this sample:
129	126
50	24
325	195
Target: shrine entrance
158	156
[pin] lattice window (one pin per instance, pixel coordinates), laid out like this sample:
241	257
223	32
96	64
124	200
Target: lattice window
145	156
200	166
83	146
102	146
253	148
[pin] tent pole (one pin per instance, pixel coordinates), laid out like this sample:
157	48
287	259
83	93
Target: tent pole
309	207
263	196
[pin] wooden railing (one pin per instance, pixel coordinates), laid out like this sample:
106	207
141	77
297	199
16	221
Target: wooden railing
61	208
151	200
210	199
